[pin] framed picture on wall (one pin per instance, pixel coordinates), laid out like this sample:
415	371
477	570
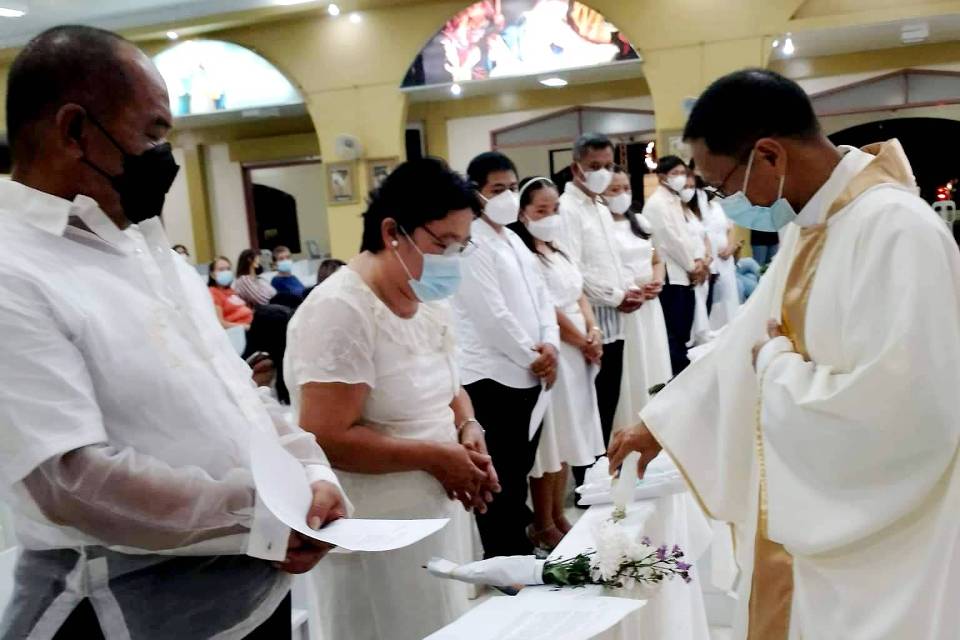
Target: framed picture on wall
378	170
341	183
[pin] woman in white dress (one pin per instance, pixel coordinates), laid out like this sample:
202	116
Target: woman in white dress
372	374
720	230
701	332
646	353
571	434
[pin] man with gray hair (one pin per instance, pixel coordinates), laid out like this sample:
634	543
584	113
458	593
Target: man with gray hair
590	240
125	416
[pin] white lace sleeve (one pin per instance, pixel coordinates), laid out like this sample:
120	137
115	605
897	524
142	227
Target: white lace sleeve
333	340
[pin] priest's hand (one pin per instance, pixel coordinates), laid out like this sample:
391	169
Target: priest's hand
304	553
774	330
636	438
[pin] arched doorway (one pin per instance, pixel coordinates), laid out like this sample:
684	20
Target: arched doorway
498	67
930	144
236	112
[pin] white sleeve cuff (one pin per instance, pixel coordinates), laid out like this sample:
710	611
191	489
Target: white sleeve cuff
268	536
320	472
771	350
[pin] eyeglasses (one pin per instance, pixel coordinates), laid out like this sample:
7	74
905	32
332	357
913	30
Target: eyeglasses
718	191
462	249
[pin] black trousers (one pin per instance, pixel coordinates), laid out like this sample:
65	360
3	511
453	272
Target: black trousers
607	384
268	333
679	303
505	414
82	624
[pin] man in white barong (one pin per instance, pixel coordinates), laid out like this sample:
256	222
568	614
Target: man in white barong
824	422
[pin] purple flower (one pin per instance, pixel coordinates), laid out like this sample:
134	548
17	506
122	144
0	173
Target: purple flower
662	552
646	540
686	577
677	551
683	567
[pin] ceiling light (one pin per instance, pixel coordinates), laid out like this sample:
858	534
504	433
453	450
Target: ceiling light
356	18
12	12
172	35
776	43
455	89
788	47
553	82
333	9
914	33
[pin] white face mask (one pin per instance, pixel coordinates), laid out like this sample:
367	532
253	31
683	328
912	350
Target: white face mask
620	203
597	181
546	229
687	194
677	183
502	208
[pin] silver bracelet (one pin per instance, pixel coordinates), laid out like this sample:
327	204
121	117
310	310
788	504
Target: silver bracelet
468	421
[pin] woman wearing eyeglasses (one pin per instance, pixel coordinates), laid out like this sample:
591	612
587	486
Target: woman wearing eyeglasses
372	374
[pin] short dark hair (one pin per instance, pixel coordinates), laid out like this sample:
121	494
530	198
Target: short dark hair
64	64
486	163
742	107
280	248
666	164
415	193
590	142
176	247
329	267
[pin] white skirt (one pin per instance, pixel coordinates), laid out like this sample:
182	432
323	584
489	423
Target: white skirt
646	361
390	596
571	431
726	295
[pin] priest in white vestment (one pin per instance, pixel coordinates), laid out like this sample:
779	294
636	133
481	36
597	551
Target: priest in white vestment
824	423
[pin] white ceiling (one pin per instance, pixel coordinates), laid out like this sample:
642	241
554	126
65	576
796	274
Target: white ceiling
113	14
824	42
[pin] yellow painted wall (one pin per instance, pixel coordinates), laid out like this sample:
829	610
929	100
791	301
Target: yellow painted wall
349	73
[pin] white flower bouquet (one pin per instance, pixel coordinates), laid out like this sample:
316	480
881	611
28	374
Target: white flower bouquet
620	563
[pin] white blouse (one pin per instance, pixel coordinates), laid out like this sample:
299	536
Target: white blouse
344	333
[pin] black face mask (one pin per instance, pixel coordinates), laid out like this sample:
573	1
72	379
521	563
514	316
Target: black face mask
258	269
145	180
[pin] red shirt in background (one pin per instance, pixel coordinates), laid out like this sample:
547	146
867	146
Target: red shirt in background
234	309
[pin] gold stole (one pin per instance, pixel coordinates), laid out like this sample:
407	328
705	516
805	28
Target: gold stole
772	590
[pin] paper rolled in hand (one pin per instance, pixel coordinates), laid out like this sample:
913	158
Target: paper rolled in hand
623	489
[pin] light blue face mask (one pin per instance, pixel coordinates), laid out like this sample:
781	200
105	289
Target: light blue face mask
224	278
285	266
440	278
746	214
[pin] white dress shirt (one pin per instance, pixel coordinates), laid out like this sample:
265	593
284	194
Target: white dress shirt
590	240
664	211
503	310
111	343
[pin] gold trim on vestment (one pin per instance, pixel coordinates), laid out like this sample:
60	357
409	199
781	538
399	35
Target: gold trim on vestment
771	591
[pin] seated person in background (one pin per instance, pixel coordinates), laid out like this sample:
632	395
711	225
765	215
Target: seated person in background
285	282
182	250
266	325
249	286
231	308
327	268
